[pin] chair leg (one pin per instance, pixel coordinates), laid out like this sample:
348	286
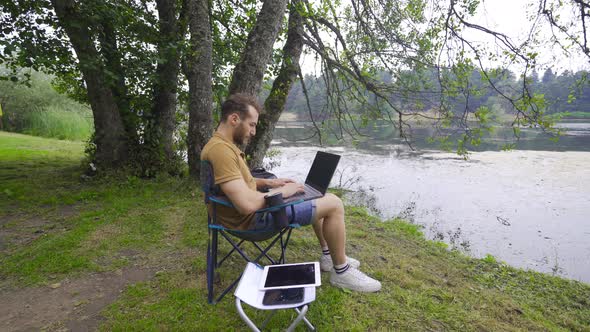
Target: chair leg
268	318
284	246
229	288
299	318
211	263
245	317
234	246
263	253
307	322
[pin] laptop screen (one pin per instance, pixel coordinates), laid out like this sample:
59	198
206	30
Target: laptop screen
321	172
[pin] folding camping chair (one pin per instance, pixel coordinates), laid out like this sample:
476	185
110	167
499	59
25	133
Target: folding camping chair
237	238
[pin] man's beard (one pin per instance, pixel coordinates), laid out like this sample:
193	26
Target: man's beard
240	138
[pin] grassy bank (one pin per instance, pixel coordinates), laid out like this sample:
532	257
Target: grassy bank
55	227
571	115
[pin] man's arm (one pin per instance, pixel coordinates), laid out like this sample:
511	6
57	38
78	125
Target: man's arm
247	201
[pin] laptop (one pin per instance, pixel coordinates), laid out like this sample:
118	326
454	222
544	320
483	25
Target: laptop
319	177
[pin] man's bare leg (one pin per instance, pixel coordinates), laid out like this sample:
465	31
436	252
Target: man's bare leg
329	226
319	233
330	229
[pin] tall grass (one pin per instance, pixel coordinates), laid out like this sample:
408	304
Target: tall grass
55	122
38	109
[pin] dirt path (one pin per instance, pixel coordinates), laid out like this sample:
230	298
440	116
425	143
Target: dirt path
72	305
17	230
76	304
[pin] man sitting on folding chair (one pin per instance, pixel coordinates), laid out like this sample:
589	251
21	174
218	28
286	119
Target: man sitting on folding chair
239	117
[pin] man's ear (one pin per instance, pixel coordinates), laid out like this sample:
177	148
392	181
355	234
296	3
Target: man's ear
234	118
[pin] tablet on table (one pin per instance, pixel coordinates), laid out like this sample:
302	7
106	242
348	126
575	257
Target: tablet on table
295	275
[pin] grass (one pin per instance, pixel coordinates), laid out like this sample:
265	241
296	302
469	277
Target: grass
162	221
53	122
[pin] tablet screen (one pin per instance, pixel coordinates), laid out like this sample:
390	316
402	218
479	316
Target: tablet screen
290	275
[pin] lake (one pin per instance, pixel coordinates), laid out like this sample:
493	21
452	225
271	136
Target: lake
529	207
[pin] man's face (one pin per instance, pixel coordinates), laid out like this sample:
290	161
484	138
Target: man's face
246	128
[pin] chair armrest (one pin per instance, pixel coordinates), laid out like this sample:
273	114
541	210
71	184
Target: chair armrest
278	207
221	200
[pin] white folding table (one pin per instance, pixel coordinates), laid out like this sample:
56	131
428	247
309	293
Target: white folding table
248	292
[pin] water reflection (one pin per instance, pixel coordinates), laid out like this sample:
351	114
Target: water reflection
381	137
528	207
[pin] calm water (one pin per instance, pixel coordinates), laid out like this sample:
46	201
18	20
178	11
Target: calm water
528	207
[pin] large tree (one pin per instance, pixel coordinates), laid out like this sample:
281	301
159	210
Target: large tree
198	66
274	104
249	71
121	57
110	137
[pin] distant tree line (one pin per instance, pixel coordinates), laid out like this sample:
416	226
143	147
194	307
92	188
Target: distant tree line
566	94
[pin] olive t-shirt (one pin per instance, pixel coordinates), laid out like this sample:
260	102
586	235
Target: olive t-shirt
229	163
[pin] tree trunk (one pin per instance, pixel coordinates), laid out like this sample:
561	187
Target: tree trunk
165	90
116	81
275	103
249	72
198	67
112	146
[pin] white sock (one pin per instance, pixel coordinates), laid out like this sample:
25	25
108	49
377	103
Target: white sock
341	268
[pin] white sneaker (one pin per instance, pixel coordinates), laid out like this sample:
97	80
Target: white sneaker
355	280
326	264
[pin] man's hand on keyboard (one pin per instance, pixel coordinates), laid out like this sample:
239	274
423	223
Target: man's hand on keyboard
275	183
292	188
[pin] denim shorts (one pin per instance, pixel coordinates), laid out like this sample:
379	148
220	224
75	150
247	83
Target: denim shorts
302	214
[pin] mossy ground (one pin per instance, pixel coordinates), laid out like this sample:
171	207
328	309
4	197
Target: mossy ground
162	222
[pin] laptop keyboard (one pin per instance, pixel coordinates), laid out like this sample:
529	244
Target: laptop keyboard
310	193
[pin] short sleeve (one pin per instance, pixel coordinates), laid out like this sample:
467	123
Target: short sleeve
225	164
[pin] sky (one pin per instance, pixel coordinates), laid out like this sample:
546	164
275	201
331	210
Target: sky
513	18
